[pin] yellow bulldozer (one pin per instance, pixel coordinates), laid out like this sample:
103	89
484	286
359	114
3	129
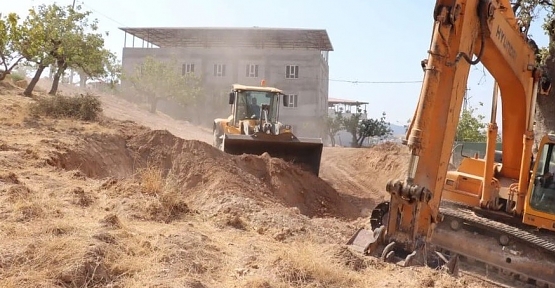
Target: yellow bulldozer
254	128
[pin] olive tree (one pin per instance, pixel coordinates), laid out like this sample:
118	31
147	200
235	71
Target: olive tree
10	35
333	125
63	37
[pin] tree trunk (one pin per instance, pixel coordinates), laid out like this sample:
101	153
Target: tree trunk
332	140
545	108
82	79
56	80
29	90
360	141
354	142
153	103
55	83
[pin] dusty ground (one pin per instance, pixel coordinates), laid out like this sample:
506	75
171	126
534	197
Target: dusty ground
362	174
116	204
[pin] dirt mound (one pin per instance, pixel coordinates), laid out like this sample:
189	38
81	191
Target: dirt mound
296	187
205	177
384	160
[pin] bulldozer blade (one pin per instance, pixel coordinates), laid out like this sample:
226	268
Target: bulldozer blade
306	152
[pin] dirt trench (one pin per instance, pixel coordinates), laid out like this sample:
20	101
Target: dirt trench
206	175
361	174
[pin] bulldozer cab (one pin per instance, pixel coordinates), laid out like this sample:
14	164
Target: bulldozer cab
255	105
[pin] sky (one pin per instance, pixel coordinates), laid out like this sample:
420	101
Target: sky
373	41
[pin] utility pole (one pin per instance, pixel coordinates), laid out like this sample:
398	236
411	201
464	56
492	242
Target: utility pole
465	99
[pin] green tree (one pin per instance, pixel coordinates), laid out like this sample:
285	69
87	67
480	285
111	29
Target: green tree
10	34
112	69
373	128
528	11
79	49
155	80
333	126
360	129
351	124
43	30
471	128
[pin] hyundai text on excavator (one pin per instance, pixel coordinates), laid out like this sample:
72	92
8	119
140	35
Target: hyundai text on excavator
254	129
500	214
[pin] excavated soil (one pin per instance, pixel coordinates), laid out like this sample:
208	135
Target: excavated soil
205	173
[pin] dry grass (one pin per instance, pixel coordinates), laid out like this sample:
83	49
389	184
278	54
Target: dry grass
82	107
309	265
151	179
163	202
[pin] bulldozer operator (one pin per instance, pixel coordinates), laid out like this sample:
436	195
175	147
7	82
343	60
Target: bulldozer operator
254	108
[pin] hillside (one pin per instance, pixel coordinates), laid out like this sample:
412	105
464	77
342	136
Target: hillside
113	203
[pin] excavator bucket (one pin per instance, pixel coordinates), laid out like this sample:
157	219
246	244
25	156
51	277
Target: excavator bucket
305	152
365	240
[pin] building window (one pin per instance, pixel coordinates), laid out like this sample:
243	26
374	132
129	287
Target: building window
292	71
252	70
187	68
219	70
292	100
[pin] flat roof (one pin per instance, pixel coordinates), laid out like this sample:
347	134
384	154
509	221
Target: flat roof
345	101
233	37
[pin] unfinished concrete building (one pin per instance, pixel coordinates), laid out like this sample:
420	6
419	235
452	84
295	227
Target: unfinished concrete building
294	60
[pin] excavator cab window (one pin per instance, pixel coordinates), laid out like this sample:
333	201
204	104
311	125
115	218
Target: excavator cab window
543	192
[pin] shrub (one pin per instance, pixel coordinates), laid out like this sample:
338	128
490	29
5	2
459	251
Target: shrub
17	76
82	107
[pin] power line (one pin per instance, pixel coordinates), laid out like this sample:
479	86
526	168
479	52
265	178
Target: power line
102	14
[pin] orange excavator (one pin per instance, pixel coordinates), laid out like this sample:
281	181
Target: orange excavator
497	211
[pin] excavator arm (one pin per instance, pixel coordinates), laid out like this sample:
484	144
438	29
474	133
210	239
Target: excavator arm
466	32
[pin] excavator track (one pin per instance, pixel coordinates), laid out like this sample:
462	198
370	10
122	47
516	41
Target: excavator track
517	254
521	258
455	210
